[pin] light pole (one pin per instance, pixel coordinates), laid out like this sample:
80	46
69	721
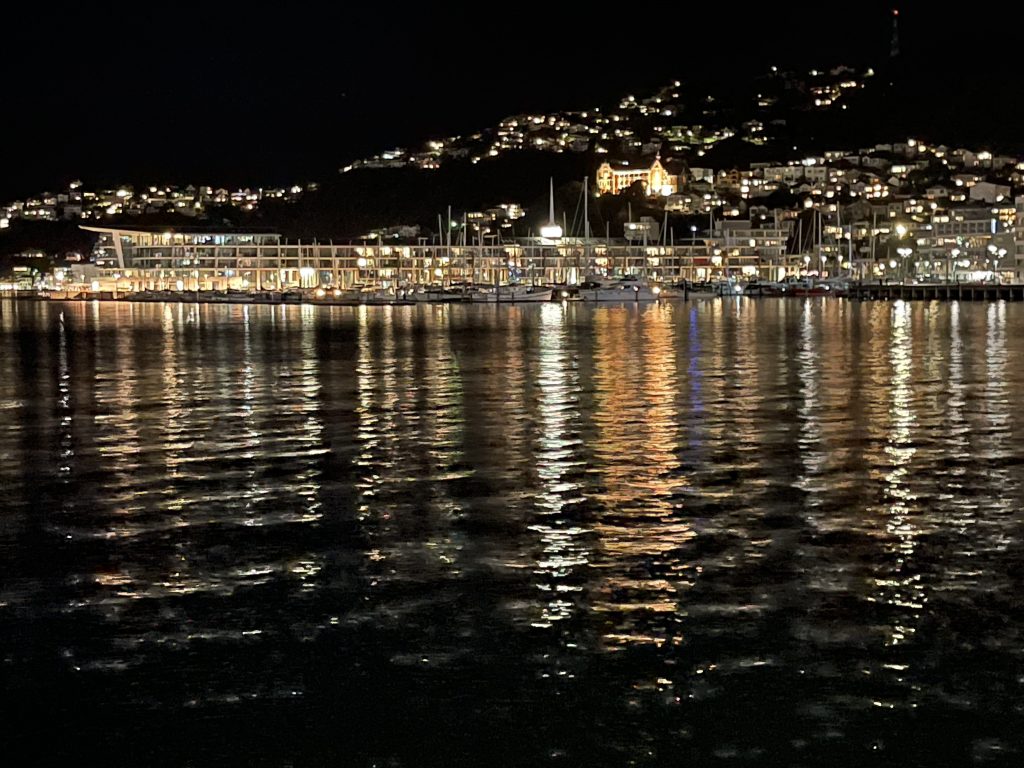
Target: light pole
904	255
953	254
996	254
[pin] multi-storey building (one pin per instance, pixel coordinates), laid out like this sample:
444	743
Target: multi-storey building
656	179
1019	240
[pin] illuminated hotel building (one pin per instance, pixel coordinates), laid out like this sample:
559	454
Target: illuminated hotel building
656	180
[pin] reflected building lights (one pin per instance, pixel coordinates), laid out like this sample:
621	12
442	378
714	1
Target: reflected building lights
637	442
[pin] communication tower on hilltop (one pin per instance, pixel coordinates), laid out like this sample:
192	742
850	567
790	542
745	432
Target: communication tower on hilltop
894	44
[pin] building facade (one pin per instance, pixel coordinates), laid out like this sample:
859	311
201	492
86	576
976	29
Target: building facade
656	179
1019	240
136	260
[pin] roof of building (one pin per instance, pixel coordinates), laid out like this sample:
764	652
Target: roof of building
197	230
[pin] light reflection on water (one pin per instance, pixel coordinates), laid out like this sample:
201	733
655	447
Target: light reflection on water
723	532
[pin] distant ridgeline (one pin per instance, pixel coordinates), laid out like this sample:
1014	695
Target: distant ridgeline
677	121
687	150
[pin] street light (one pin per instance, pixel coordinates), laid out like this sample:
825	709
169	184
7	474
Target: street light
904	254
999	256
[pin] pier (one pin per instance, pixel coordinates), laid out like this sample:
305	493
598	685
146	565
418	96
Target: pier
879	291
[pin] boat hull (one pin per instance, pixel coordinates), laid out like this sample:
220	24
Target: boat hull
513	297
624	294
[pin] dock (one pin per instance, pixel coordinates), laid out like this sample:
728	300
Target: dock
878	291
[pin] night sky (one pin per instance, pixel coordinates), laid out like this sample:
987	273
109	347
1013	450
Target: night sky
109	93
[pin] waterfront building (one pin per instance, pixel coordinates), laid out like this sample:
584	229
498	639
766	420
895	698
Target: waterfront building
965	242
134	259
753	251
1019	240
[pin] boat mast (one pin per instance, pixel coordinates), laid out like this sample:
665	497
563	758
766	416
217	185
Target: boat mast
849	246
818	236
586	227
629	242
839	251
608	246
672	250
799	242
874	222
643	262
551	221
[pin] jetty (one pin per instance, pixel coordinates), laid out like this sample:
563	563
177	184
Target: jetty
880	291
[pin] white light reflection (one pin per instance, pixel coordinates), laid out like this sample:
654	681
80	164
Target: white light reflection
64	400
310	439
563	549
903	590
997	409
809	364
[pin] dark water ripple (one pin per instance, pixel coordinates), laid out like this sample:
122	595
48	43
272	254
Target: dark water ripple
740	533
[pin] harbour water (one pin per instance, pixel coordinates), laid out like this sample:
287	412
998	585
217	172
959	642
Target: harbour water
718	533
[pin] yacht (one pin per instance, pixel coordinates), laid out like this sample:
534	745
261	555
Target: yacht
804	286
435	294
513	294
702	290
762	288
626	288
666	292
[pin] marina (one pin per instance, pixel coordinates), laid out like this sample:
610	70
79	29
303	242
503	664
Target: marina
240	267
622	290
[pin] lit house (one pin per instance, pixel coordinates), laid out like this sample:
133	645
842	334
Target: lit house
656	179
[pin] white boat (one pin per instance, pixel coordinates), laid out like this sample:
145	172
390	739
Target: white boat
433	294
730	287
710	290
666	292
703	291
513	294
804	286
622	289
762	288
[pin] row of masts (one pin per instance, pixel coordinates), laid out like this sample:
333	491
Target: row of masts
553	233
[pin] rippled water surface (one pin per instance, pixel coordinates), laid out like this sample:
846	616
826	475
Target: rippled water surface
751	532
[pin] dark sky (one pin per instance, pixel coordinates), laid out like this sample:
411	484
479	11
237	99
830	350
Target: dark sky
265	95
